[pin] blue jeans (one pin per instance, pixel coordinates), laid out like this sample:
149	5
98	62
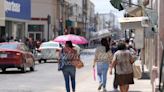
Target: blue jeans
102	69
69	72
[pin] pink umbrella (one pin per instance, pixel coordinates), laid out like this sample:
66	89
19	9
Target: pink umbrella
74	38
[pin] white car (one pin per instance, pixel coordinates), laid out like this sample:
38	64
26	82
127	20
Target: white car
48	51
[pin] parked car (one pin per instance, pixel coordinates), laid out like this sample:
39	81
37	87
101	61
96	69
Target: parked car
48	51
16	55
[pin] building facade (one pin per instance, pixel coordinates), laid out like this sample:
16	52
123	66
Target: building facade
75	16
43	20
153	36
14	16
90	22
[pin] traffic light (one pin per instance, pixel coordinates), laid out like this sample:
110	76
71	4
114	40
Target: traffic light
117	4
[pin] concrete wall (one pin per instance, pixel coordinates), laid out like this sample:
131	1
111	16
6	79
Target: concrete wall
2	13
41	9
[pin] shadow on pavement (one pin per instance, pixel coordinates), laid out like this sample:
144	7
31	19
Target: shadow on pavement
145	75
15	72
119	91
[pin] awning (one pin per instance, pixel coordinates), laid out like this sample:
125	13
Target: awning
134	22
134	11
69	23
132	19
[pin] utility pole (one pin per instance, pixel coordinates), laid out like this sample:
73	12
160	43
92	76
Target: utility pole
61	16
48	25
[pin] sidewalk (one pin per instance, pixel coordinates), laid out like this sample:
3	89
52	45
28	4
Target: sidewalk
87	83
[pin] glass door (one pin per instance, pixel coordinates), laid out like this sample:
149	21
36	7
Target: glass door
35	35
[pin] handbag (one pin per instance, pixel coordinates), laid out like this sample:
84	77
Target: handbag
137	71
61	61
77	63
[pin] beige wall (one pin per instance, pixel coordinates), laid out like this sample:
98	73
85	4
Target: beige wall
161	20
2	13
41	9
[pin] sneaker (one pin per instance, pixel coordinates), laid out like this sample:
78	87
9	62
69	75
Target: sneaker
104	90
99	88
115	90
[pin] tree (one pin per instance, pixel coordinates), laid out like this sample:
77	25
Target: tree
117	4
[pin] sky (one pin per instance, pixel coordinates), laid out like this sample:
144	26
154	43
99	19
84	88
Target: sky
104	6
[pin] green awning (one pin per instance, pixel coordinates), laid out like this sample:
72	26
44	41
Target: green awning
69	23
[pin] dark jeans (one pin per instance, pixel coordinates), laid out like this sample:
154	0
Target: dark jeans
69	72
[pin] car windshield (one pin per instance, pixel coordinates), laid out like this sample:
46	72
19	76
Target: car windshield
8	46
49	45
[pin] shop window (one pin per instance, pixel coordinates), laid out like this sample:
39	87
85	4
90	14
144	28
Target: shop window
35	28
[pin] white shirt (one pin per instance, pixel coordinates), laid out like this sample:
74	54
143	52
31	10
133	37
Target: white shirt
122	59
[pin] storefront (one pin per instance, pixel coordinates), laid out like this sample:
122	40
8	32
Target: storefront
36	31
17	13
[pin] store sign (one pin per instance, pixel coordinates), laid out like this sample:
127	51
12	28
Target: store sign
19	9
12	7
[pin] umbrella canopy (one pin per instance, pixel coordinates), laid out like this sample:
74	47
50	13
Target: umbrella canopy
101	34
74	38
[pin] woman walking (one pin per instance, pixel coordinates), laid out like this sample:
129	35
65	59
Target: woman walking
69	71
102	58
122	61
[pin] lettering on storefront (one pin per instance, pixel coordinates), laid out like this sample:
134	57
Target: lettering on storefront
12	6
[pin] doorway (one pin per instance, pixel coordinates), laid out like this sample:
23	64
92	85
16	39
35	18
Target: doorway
35	35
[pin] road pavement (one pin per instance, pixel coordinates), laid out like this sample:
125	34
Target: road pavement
46	78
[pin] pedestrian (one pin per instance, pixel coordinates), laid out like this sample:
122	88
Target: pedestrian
127	43
122	61
103	57
114	49
69	71
11	39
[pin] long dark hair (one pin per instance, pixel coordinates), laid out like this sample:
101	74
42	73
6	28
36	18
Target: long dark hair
121	46
104	42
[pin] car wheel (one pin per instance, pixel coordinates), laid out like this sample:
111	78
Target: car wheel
3	69
45	60
32	68
40	61
23	69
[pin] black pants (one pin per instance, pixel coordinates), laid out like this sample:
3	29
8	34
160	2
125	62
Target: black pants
115	86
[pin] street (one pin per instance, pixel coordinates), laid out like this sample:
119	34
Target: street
46	78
